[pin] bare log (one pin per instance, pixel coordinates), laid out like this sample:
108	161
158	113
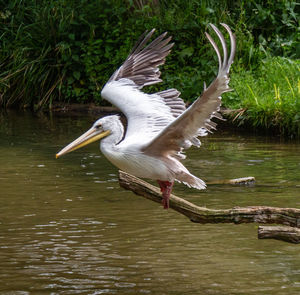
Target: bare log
283	233
236	215
237	181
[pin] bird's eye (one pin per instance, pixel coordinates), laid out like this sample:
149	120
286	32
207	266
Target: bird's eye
98	126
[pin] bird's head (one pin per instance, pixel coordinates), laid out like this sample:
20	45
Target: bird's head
101	128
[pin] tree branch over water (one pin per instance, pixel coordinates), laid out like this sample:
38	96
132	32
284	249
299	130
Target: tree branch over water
236	215
284	233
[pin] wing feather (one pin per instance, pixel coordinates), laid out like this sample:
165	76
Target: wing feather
141	65
196	120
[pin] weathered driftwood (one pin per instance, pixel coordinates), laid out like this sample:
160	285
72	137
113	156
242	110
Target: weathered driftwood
236	215
237	181
284	233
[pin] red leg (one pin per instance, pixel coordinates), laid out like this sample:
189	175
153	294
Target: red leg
166	189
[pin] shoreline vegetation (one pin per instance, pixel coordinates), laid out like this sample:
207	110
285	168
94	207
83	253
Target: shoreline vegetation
62	52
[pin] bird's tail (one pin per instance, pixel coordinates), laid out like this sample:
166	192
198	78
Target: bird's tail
190	180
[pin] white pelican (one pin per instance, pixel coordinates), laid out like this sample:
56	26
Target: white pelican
159	125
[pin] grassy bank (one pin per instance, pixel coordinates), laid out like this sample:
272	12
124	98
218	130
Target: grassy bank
268	98
64	51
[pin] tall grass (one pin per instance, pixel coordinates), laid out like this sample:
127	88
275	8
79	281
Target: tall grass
268	97
28	57
37	42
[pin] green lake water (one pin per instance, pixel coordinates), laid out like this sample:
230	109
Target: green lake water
66	227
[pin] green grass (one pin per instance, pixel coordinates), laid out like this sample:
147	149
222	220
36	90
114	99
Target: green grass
268	97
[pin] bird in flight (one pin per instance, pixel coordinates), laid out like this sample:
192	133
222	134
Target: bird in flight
159	126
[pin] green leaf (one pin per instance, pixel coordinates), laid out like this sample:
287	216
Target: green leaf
76	75
71	36
187	52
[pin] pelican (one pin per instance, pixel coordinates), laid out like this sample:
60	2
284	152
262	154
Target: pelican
159	126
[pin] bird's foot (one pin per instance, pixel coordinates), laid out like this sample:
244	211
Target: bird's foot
166	189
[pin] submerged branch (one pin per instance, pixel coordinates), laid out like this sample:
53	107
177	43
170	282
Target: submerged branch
237	181
283	233
236	215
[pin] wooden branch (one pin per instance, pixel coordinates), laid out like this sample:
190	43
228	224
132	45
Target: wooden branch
236	215
283	233
237	181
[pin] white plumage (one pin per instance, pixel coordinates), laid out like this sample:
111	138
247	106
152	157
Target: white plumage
159	127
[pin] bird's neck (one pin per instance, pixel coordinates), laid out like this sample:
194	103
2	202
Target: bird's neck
110	142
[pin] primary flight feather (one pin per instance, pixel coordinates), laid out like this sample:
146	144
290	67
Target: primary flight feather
159	127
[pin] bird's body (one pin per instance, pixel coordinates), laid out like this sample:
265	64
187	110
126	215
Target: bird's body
135	162
129	157
159	127
128	154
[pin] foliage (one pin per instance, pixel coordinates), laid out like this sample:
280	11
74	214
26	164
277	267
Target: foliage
268	97
63	50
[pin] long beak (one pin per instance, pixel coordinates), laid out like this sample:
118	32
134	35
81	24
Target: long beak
88	137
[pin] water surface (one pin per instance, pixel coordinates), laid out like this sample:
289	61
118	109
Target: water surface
67	228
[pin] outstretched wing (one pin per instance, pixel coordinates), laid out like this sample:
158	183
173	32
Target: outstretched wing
147	114
196	120
141	65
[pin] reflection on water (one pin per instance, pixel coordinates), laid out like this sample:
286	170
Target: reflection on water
67	228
